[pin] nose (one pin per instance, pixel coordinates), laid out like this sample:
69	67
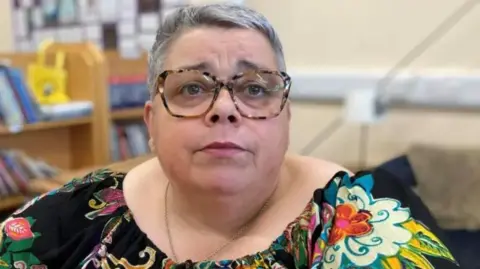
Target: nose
223	110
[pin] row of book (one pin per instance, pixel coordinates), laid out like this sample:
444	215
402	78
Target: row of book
19	107
17	103
17	169
128	140
128	91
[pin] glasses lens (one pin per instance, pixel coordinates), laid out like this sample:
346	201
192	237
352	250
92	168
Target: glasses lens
188	93
259	94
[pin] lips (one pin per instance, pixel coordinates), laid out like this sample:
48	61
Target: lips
223	146
223	150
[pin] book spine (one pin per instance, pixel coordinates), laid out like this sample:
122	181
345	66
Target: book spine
23	96
9	107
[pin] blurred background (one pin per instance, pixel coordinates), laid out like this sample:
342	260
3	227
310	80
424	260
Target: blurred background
376	83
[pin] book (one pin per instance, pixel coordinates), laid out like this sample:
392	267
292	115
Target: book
10	109
24	97
128	91
17	169
18	105
128	140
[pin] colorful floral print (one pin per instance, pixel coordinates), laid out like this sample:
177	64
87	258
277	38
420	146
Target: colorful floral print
105	202
349	225
362	231
349	222
17	239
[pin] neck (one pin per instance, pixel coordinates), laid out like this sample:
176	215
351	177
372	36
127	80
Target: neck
226	214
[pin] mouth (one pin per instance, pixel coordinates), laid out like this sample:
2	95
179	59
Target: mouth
223	149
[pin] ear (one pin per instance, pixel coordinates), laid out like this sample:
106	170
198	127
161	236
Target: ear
148	117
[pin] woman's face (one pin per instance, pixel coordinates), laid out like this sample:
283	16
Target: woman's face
220	151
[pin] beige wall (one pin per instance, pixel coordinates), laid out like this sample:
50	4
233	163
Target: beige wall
388	138
370	33
375	34
6	43
365	34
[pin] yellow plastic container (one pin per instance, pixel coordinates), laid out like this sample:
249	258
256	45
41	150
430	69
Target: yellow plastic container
48	83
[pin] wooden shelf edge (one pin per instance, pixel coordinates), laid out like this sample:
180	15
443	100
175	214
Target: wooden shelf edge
12	202
127	114
46	125
39	186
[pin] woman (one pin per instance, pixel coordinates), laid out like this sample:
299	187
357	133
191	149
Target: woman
222	192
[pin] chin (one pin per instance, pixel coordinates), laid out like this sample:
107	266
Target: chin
223	181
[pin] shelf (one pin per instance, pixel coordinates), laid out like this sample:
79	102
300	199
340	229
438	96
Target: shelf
38	186
128	114
12	202
48	125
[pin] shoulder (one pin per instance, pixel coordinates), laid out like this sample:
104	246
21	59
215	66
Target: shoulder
316	171
370	216
51	226
76	197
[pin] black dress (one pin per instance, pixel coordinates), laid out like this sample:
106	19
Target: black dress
365	221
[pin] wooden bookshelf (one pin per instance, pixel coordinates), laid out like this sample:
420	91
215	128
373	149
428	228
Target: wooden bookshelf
81	144
127	114
119	66
38	186
72	143
42	185
12	202
47	125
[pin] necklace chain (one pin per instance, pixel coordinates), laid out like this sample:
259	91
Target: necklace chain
237	235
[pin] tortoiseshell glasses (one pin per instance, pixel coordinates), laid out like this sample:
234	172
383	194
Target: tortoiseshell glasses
192	93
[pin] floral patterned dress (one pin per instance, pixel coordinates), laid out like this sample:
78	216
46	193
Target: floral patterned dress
364	221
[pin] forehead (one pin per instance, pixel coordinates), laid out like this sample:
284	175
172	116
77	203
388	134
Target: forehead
221	50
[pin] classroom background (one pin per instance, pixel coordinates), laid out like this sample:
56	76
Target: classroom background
89	56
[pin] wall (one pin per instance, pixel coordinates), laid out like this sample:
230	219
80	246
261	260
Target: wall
375	34
370	33
5	26
365	34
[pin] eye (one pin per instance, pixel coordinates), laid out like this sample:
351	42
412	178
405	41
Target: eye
255	90
191	89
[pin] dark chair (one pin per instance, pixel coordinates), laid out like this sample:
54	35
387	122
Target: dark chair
465	244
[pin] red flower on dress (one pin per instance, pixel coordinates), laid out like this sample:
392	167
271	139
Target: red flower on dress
349	222
110	200
18	229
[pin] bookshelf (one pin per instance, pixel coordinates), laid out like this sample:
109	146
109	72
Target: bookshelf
72	143
119	66
47	126
12	202
128	133
78	144
127	114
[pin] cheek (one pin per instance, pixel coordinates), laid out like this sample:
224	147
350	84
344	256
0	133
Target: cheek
169	136
273	137
173	137
169	148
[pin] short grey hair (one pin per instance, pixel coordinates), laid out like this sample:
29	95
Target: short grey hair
217	15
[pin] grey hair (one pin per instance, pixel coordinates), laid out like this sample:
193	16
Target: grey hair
217	15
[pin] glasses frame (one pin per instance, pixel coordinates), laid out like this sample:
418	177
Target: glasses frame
219	85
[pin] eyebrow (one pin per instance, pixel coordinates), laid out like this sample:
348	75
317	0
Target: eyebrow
198	66
248	65
241	65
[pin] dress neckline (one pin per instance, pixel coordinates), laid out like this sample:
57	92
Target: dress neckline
280	242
